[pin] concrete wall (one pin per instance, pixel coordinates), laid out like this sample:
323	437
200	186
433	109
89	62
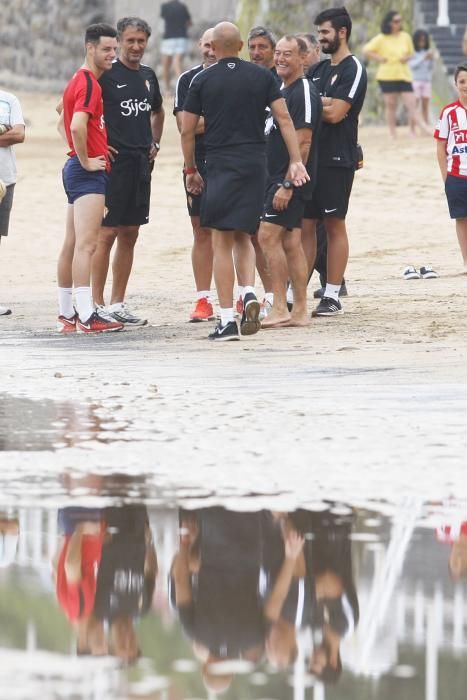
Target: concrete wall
41	41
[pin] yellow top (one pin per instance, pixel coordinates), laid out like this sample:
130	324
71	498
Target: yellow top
392	47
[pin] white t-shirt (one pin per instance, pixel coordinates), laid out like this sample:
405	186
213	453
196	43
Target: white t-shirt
452	128
10	115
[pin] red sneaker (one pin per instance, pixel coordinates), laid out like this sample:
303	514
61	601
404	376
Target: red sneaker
98	324
203	311
239	306
67	325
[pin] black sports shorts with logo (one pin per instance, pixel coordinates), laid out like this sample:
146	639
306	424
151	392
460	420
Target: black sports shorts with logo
193	201
233	195
128	191
331	194
289	218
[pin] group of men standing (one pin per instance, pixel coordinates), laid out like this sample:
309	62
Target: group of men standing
268	150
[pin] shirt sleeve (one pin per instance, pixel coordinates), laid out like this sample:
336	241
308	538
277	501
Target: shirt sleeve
16	114
305	107
88	95
374	45
192	101
274	92
181	91
156	103
351	82
442	128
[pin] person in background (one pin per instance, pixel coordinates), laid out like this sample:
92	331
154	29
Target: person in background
12	131
451	136
421	64
392	48
313	55
175	42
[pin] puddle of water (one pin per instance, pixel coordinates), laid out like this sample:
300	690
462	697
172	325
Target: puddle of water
27	425
327	601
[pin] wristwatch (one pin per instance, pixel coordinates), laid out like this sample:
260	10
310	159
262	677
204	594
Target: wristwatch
287	185
156	145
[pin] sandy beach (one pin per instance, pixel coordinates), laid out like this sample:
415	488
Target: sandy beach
382	386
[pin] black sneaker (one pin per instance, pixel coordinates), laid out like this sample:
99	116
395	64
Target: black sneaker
319	293
227	332
328	307
250	323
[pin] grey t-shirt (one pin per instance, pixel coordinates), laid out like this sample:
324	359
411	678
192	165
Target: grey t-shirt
10	115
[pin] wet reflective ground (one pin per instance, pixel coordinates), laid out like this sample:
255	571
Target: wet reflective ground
111	597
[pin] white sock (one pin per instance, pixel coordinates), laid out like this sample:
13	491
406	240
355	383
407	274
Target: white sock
227	315
332	291
241	291
203	295
248	290
269	296
84	304
65	302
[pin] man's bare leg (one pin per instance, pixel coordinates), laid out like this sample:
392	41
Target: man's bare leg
461	230
224	276
270	240
65	258
101	263
201	255
309	243
245	259
166	65
123	261
298	273
338	249
178	64
87	216
262	266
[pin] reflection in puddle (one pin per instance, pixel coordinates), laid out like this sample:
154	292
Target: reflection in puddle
27	425
329	602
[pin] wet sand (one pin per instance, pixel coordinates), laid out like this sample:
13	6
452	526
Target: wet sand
347	402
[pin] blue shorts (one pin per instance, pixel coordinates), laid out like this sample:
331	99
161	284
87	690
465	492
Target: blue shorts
77	181
456	194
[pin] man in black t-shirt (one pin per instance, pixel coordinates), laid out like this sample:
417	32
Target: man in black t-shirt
341	81
175	43
201	255
134	118
280	230
232	95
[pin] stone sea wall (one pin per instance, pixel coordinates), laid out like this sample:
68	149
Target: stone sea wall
41	41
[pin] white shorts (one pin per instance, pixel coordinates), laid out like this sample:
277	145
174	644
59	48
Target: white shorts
178	45
422	88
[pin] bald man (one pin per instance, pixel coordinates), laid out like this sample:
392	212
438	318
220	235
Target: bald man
201	253
232	95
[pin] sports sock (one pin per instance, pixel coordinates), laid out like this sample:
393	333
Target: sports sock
269	296
84	304
203	295
248	290
227	315
65	302
332	291
241	291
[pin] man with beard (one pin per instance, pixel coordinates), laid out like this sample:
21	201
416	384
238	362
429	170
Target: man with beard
341	81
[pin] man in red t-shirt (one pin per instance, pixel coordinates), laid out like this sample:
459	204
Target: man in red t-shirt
84	178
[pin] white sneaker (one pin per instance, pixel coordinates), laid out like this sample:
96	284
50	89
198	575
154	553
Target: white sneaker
4	311
121	312
266	308
289	295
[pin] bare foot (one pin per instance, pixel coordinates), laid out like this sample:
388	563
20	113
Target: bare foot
275	320
296	321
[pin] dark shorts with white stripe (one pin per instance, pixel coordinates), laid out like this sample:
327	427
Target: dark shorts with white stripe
193	201
331	194
233	195
289	218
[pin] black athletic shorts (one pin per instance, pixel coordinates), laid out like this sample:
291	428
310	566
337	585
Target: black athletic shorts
233	195
129	190
456	194
5	209
193	201
289	218
331	194
388	86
